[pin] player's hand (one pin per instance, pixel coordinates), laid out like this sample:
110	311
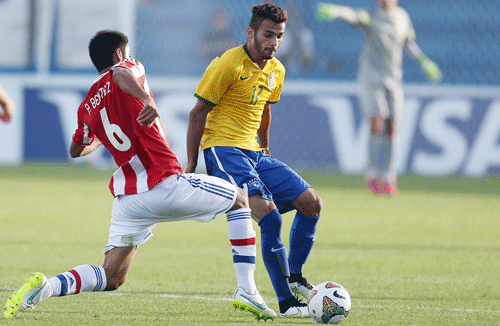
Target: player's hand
5	113
326	11
432	70
148	113
5	117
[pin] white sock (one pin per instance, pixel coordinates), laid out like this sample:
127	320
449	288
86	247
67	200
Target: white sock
83	278
373	155
242	236
388	150
386	153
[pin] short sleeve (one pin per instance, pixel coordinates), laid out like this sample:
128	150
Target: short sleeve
410	31
218	76
83	134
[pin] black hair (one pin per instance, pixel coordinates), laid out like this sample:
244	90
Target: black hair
267	11
103	45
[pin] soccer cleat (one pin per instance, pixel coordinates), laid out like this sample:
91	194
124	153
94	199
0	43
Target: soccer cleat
390	188
252	303
296	310
27	296
373	183
301	287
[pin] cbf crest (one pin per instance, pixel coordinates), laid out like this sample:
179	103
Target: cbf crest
272	79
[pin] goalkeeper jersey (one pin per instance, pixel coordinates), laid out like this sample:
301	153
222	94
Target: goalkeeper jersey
238	89
385	39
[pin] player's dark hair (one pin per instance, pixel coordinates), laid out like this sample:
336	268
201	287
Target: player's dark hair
103	45
267	11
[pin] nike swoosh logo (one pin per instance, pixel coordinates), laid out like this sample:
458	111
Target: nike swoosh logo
30	299
276	249
335	294
297	315
260	305
244	78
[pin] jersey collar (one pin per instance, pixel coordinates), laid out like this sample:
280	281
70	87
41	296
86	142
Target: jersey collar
245	47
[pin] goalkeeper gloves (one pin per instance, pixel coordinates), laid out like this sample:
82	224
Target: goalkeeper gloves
327	11
431	69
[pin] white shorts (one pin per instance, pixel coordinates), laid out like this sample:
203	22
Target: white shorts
197	197
378	100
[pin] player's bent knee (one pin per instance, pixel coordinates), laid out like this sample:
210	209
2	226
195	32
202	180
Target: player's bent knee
308	203
317	205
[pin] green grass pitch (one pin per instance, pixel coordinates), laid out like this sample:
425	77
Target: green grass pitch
429	257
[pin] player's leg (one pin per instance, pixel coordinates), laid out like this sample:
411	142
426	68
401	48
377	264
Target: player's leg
237	166
203	198
374	107
82	278
124	234
242	237
302	237
273	249
117	262
394	99
275	257
88	278
290	191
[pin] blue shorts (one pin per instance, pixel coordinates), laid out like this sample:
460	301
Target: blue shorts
257	173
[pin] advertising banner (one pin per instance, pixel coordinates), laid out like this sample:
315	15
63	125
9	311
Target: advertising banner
444	130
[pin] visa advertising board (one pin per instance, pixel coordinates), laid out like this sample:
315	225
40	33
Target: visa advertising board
444	130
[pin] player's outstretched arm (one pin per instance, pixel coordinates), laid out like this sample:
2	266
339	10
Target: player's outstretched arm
429	67
328	12
196	126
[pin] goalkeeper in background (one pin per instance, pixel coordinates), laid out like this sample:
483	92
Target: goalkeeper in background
388	31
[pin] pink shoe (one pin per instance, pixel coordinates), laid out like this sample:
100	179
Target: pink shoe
390	188
373	183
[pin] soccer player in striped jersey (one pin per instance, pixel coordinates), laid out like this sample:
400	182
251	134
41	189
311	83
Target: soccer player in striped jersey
149	185
232	111
387	31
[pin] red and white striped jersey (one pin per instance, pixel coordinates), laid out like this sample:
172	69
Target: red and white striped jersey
142	153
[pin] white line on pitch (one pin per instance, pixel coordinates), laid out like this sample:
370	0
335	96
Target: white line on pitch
178	296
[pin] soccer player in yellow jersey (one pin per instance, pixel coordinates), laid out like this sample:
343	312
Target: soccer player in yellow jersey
231	121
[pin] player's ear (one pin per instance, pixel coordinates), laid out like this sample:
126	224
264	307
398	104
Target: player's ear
250	32
118	56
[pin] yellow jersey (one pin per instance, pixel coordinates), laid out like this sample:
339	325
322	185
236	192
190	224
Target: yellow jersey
238	89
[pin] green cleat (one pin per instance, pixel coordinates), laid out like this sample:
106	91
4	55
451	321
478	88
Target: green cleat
27	296
252	303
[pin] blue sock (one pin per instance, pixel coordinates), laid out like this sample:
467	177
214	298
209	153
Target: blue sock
274	254
301	241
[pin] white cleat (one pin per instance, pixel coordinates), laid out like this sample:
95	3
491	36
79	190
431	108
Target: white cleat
252	303
296	312
302	287
27	296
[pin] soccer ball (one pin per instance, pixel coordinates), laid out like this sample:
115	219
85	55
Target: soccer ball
329	303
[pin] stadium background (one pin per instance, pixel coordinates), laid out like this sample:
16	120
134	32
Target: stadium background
451	128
